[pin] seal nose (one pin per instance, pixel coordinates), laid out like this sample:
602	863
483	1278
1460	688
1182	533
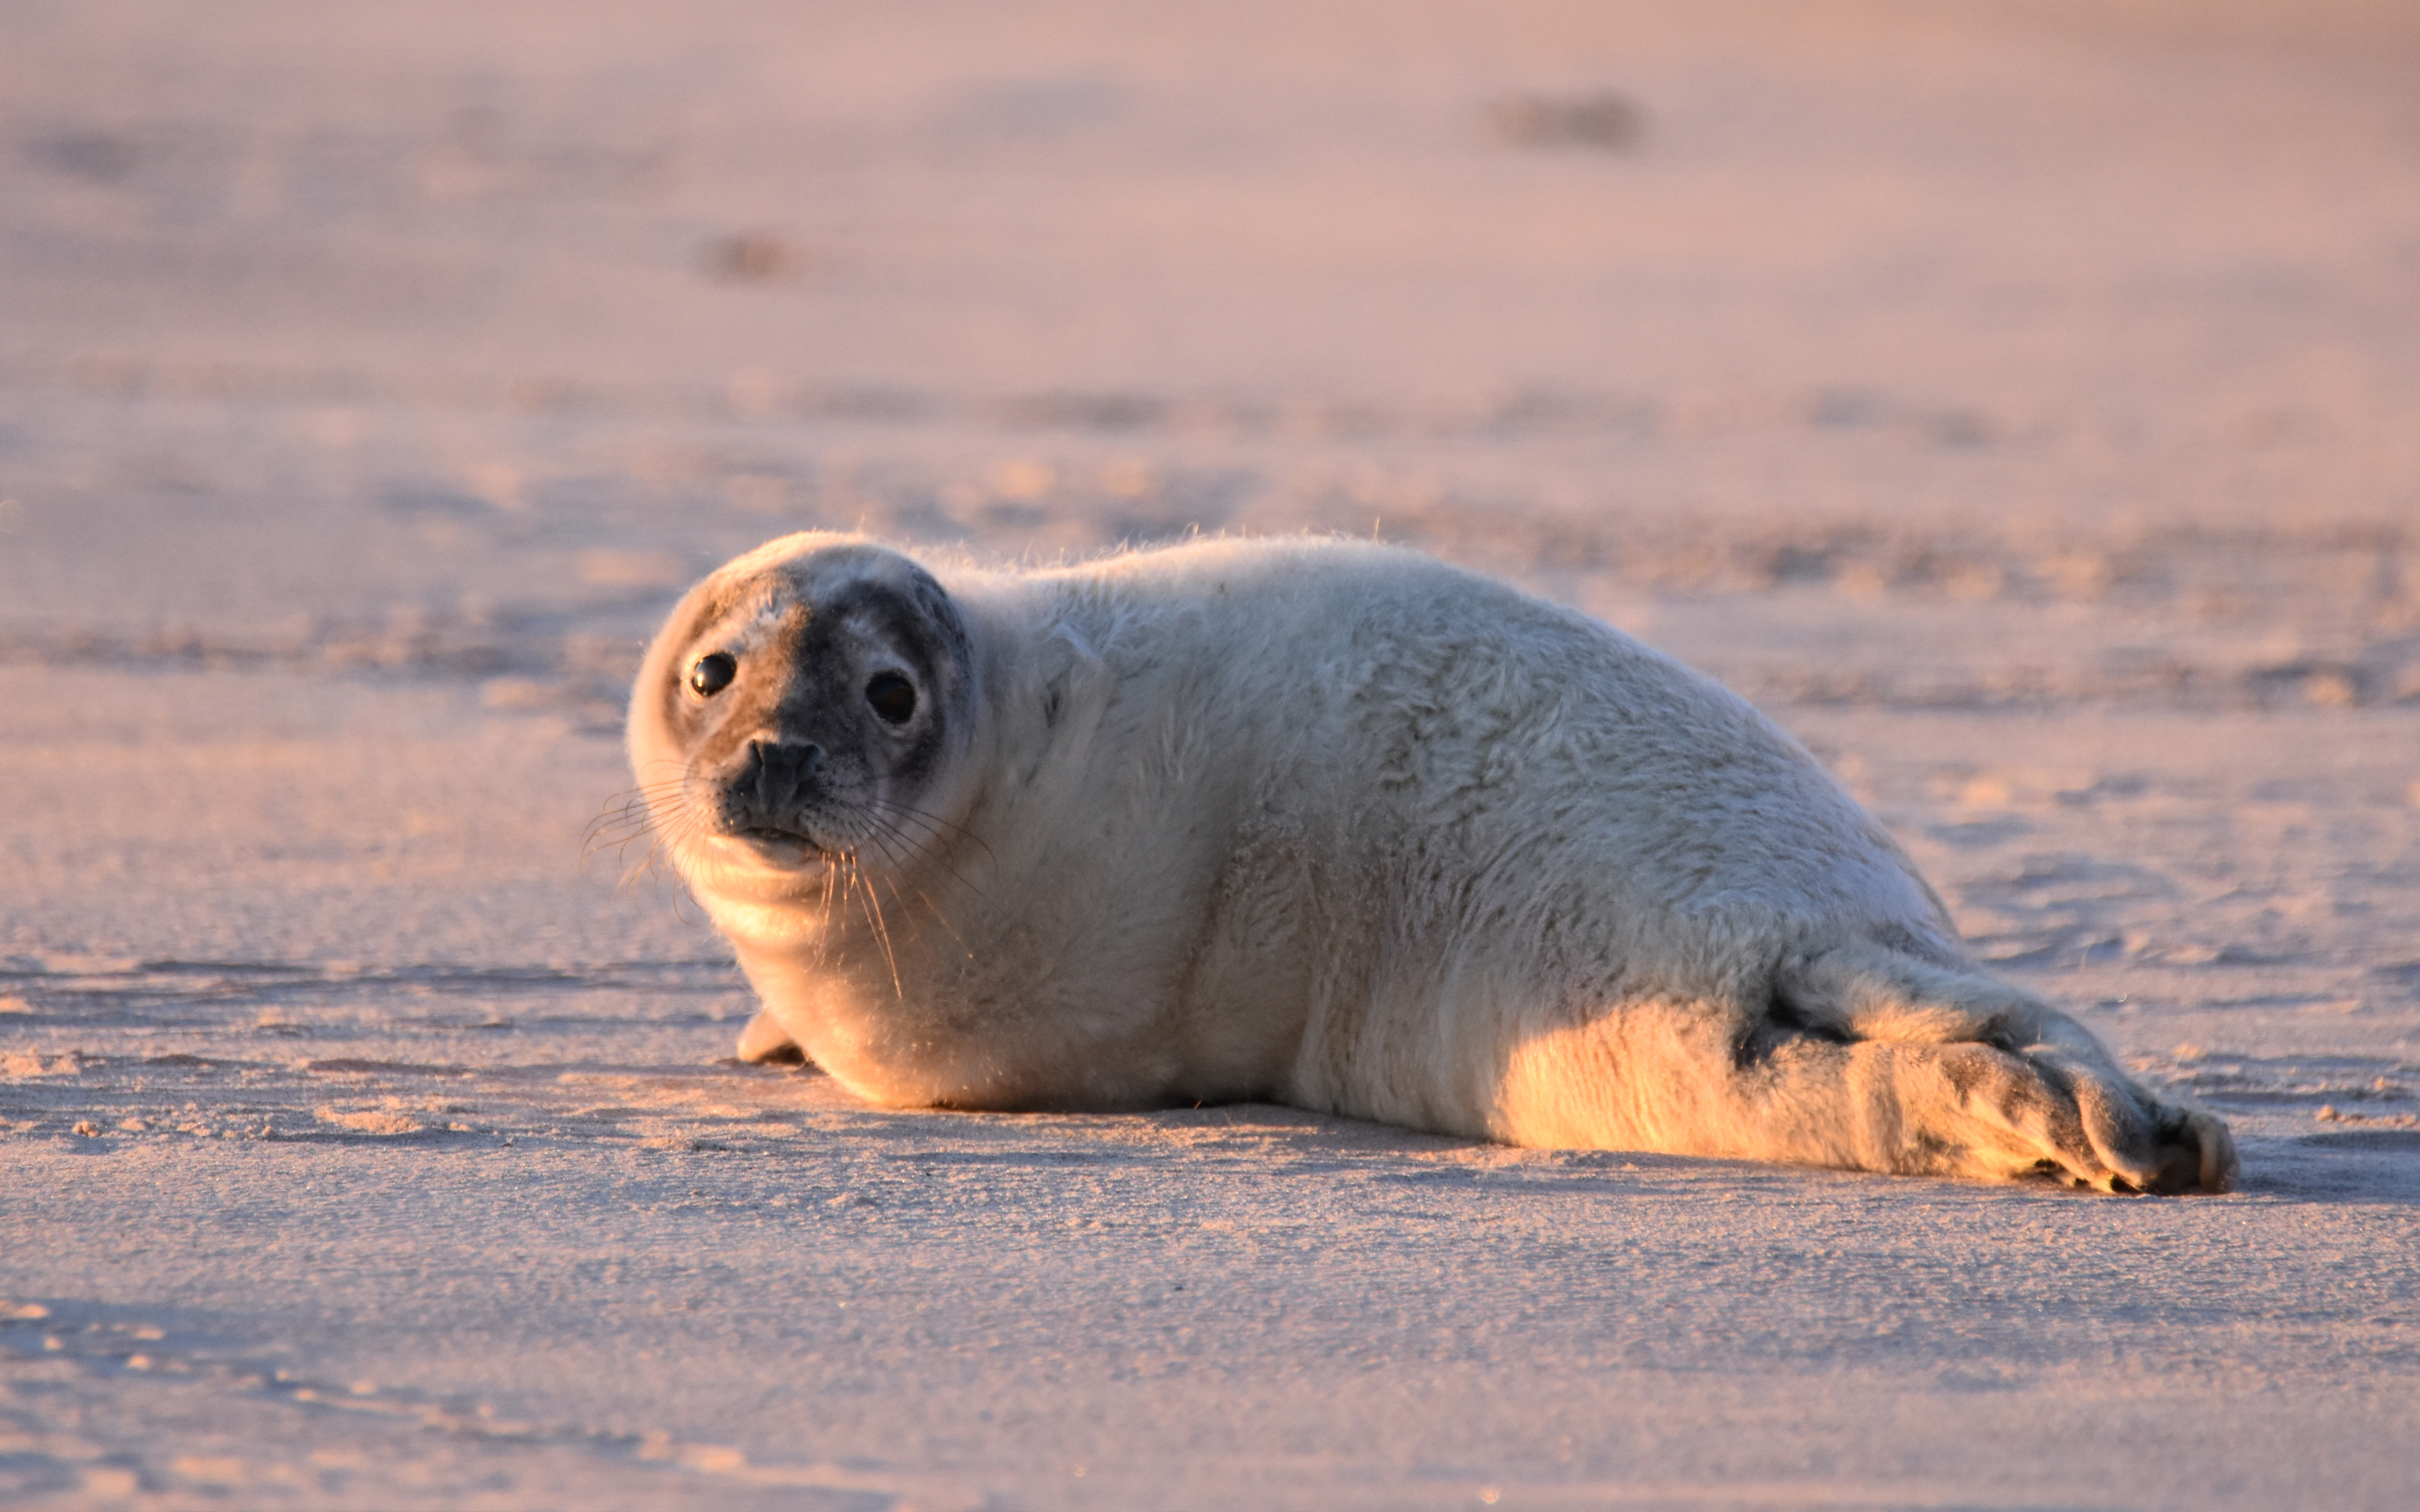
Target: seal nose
784	772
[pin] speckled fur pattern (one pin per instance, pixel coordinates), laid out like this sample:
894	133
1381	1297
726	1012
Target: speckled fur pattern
1337	825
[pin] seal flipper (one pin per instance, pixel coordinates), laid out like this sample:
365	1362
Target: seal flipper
1964	1062
765	1042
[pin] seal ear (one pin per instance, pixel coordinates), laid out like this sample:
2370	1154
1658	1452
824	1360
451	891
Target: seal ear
1072	675
1074	686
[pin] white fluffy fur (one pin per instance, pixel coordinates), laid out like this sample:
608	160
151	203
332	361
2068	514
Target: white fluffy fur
1337	826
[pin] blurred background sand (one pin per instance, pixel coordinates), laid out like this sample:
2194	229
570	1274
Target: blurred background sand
2020	401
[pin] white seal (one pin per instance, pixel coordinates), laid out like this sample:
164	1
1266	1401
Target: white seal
1336	825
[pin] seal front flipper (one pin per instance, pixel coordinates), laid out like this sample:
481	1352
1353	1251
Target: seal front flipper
765	1042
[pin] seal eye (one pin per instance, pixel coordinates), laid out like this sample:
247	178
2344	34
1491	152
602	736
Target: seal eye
713	672
893	696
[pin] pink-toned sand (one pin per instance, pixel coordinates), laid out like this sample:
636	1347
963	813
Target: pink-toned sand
2020	401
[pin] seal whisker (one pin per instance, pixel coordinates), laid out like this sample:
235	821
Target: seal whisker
631	810
872	906
940	918
937	824
664	839
620	845
909	841
893	884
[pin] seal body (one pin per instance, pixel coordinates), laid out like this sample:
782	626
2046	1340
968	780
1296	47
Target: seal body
1337	825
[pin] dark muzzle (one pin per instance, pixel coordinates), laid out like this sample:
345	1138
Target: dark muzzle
775	787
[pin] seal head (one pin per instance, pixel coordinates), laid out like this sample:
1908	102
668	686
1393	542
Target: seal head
802	705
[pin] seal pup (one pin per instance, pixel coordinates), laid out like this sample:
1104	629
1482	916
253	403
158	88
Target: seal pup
1337	826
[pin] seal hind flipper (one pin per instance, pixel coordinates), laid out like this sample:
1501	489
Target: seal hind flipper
2008	1066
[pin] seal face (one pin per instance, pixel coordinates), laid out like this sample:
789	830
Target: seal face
811	704
1337	825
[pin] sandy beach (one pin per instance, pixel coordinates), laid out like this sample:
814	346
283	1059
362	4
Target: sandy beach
2020	401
